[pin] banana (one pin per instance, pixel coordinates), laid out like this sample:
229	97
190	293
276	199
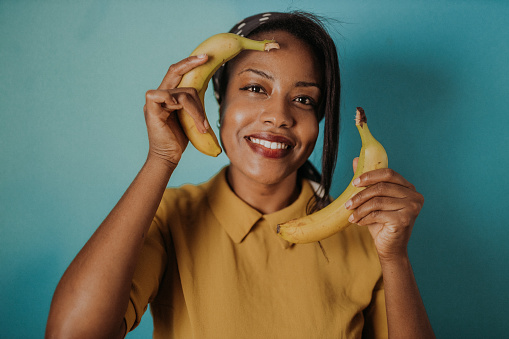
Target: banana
334	217
220	48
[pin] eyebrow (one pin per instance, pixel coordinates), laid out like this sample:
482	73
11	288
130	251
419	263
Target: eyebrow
268	76
307	84
257	71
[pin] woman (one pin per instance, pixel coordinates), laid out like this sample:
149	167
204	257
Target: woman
207	257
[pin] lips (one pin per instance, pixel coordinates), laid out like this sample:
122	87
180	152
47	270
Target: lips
270	145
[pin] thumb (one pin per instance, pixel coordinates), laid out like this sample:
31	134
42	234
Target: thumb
354	164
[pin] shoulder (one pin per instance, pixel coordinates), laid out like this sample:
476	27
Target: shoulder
188	199
184	198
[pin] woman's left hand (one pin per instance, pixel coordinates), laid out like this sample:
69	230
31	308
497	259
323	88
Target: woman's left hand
388	207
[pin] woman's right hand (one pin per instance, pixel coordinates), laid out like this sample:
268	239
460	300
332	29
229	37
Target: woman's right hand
167	140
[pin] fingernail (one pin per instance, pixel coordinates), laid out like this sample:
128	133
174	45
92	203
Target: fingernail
351	218
348	204
356	182
202	56
206	125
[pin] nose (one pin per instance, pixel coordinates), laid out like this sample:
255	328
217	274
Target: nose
277	112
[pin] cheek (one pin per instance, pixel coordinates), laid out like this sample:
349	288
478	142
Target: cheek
232	119
310	134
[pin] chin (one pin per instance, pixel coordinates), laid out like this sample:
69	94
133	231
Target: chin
268	175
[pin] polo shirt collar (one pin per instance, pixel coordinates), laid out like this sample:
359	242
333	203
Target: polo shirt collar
238	218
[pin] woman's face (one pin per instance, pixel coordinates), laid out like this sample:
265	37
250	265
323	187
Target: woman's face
269	125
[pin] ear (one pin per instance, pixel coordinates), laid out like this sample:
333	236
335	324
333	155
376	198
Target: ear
220	118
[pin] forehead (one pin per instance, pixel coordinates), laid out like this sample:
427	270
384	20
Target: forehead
294	56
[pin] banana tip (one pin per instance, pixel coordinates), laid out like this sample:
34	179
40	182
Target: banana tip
278	228
360	117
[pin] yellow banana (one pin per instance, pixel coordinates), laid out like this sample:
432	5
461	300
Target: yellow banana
220	48
334	217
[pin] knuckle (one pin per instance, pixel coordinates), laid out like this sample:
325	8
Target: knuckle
380	188
188	92
416	201
405	220
184	97
173	69
416	206
376	214
378	202
149	94
389	173
420	199
191	91
178	95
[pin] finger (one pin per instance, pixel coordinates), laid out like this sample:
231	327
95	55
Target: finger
160	100
354	163
382	175
377	205
191	103
174	124
381	189
176	71
385	218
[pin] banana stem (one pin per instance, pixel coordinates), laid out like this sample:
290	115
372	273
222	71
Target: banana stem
271	45
265	45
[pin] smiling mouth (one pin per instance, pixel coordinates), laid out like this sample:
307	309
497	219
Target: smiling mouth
268	144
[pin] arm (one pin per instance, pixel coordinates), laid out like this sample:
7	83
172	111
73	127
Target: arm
92	297
389	207
406	314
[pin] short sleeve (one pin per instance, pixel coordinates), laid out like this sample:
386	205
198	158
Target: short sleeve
375	315
150	269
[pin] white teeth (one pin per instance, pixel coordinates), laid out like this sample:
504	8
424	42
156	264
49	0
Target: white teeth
268	144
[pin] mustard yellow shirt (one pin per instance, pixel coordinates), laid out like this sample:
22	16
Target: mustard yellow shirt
214	267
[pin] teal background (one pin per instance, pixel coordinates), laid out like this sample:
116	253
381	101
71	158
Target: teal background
431	75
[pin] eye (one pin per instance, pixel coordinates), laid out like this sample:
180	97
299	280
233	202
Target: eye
253	88
305	100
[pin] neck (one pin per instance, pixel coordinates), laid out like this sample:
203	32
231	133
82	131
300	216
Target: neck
265	198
